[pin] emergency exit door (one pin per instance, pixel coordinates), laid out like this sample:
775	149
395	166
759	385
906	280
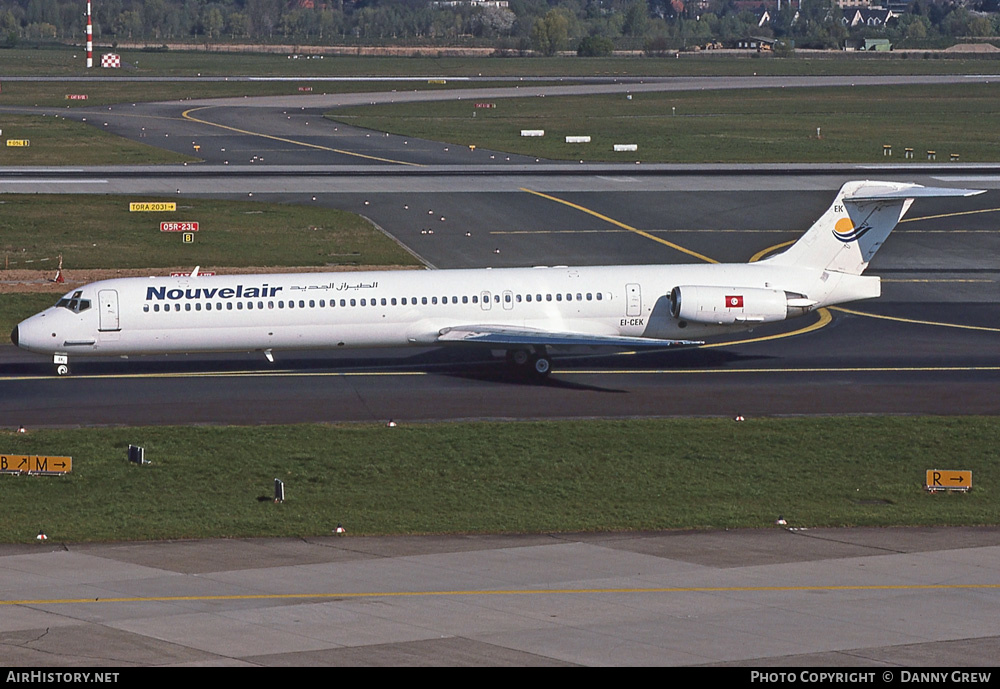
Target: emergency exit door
633	300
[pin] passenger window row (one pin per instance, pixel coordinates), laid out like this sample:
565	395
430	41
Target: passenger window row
383	301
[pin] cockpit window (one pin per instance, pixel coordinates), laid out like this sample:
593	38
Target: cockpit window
74	303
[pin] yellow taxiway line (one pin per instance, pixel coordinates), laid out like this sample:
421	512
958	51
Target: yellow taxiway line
506	592
915	321
572	372
187	116
620	224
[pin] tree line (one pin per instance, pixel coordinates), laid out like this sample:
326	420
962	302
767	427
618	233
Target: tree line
592	27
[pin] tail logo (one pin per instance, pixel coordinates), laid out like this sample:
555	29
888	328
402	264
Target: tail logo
846	232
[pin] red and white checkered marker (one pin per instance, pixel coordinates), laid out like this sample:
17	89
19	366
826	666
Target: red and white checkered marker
111	60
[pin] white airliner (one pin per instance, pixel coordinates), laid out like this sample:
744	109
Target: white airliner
524	311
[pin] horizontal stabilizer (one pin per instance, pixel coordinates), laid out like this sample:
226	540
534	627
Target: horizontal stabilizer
871	194
507	336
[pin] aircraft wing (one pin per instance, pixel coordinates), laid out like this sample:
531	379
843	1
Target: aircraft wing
507	336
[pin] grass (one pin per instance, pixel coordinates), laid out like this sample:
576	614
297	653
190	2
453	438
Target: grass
501	477
57	141
768	125
53	94
14	308
61	61
92	231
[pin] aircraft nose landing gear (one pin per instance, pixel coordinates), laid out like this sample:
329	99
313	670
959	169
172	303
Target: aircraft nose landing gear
62	364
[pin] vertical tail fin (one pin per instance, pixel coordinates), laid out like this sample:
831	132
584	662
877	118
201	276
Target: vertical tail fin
846	237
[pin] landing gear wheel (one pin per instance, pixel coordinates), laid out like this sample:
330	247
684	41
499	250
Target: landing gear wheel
542	366
518	357
62	370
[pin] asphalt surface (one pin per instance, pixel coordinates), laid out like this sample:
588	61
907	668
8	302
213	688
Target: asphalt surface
881	599
892	597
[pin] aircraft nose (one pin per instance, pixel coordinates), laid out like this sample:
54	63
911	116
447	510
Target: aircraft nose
13	335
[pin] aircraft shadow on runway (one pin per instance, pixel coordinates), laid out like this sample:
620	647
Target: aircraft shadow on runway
471	363
497	371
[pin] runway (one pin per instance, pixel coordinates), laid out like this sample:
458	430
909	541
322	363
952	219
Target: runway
778	597
873	598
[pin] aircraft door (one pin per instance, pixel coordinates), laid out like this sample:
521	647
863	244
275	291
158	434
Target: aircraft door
508	300
108	301
487	300
633	300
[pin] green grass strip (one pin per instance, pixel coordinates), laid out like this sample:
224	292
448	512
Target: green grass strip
501	477
57	141
754	126
93	231
71	62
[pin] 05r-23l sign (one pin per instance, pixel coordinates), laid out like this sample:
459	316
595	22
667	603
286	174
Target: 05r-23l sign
178	227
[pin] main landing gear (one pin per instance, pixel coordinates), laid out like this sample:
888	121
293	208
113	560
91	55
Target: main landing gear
534	363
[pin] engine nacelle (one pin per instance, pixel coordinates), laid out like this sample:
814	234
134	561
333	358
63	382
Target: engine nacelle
730	305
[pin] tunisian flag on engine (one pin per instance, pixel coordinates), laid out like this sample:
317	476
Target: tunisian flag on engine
734	301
